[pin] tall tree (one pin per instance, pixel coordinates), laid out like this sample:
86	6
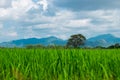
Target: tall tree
76	40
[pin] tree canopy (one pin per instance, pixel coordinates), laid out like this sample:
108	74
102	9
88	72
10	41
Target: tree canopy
76	41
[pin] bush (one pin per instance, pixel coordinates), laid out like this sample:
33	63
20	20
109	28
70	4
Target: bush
34	46
116	46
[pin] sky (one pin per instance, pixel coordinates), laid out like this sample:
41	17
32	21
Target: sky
21	19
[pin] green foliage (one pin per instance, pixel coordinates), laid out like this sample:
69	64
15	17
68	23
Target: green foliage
76	40
99	47
54	47
1	47
59	64
34	46
44	47
116	46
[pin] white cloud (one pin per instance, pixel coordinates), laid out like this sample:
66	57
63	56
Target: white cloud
22	5
17	9
1	26
5	3
12	34
29	21
89	23
20	8
79	23
44	3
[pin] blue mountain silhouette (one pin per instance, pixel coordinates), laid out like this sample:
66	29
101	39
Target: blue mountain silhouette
100	40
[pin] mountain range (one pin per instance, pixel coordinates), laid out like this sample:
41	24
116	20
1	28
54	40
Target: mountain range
100	40
104	40
34	41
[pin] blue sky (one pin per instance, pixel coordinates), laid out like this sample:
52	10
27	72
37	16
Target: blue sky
61	18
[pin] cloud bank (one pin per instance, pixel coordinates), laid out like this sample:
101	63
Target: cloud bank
61	18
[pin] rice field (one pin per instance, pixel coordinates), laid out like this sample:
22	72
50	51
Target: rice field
59	64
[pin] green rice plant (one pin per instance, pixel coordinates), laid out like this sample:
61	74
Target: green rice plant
59	64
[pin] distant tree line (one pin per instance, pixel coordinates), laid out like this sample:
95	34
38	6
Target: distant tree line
1	47
45	47
75	41
115	46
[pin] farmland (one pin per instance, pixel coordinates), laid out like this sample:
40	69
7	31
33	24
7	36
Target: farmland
59	64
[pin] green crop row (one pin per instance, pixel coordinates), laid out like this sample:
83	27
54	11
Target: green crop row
59	64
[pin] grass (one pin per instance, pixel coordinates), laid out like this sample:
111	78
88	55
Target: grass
59	64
